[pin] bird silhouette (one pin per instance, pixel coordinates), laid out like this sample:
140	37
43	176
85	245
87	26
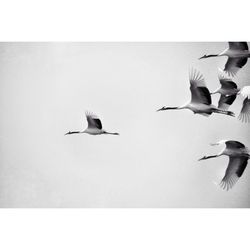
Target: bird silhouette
201	102
228	92
237	54
238	157
94	126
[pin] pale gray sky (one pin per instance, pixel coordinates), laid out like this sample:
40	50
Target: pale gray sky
45	89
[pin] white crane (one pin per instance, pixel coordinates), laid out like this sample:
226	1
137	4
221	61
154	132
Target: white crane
94	126
237	54
238	157
229	91
201	102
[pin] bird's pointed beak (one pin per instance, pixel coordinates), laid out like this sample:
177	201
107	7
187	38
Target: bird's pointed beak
214	144
68	133
202	57
203	158
161	109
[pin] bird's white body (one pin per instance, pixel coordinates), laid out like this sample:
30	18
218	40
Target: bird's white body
233	152
233	53
199	108
93	131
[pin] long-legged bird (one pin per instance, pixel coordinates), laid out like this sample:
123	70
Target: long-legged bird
238	157
237	54
229	91
201	102
94	126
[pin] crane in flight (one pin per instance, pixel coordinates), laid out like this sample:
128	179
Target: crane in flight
228	92
237	54
238	157
94	126
201	102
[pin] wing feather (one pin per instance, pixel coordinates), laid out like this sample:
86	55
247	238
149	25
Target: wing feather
234	64
244	115
199	91
245	91
238	45
226	101
234	171
234	145
93	121
226	82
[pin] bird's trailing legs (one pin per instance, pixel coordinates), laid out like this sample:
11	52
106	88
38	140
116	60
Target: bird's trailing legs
224	112
108	133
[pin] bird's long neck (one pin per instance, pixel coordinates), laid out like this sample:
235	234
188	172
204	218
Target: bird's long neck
212	55
210	156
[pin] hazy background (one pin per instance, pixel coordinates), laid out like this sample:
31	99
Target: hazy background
45	88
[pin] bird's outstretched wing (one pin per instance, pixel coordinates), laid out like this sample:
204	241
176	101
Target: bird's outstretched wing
244	115
238	45
245	91
93	120
234	145
226	82
226	101
234	171
234	64
199	91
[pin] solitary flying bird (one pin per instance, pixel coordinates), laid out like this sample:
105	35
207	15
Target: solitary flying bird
201	102
229	91
94	126
237	54
238	156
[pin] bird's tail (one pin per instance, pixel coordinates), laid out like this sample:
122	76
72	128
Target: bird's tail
224	112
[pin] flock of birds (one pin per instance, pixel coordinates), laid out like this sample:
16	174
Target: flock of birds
201	103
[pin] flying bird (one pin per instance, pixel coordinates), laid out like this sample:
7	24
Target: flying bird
237	54
228	92
94	126
238	157
201	102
